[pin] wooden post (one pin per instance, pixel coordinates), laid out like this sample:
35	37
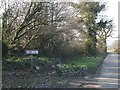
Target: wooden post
31	52
32	63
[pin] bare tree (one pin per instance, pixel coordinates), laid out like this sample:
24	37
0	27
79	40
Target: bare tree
105	29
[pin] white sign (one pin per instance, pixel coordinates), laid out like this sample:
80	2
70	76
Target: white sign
31	51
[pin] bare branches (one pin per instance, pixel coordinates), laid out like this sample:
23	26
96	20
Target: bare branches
105	29
28	19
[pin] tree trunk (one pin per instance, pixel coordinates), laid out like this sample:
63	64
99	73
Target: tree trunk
105	47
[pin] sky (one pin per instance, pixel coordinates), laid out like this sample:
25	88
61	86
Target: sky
112	13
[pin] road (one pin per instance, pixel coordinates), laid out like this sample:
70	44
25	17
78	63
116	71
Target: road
108	74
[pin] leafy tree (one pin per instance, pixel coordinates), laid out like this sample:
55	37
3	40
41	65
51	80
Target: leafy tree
52	27
88	14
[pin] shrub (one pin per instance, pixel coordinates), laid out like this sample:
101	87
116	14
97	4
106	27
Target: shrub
4	49
44	65
65	70
25	63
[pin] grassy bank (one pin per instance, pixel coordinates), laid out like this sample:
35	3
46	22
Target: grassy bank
23	77
91	63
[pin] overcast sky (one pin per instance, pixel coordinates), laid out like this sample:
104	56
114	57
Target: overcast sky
112	12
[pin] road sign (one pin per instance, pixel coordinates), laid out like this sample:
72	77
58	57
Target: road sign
31	52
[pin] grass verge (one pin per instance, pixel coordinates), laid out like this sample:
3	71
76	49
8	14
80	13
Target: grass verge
92	63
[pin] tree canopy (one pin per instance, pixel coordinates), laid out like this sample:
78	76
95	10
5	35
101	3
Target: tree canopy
54	28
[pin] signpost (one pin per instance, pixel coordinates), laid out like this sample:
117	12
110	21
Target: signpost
31	52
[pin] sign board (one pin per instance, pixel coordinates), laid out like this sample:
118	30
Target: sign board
31	52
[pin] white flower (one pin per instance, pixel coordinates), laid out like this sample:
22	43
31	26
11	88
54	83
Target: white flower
37	67
58	65
53	66
19	86
66	66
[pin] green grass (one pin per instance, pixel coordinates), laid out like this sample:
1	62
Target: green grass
91	62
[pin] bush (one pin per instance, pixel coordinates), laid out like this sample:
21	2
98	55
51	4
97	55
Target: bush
25	63
17	64
5	49
65	70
